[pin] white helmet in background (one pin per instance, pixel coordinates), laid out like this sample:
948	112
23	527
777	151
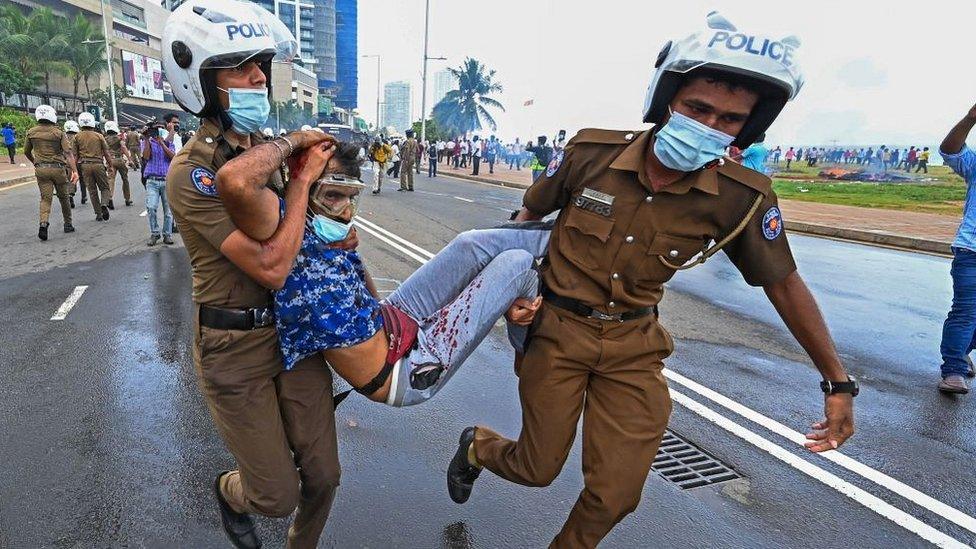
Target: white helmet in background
86	120
769	62
268	132
46	112
71	127
306	128
111	126
204	35
282	131
317	129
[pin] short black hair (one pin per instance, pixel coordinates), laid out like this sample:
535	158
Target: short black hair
347	156
169	117
735	82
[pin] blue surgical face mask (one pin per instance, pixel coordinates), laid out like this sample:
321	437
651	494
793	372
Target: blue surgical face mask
249	109
162	133
328	229
685	144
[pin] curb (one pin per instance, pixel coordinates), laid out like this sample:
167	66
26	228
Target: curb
853	235
16	181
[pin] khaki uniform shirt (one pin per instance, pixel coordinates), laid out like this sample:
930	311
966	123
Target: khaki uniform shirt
48	144
204	222
115	145
90	145
408	152
132	140
605	245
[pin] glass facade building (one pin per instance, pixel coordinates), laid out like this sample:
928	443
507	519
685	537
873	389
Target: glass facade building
347	54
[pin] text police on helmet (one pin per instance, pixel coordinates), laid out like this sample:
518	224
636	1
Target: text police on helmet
46	112
204	35
771	63
86	120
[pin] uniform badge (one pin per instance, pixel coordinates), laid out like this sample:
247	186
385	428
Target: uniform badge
557	159
772	223
203	180
595	201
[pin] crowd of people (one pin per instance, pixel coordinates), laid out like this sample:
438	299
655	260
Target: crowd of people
882	159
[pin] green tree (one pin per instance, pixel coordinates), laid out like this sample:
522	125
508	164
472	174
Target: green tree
101	97
465	109
18	45
434	131
86	60
12	81
51	47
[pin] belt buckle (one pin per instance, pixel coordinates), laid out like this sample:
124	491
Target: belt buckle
603	316
262	317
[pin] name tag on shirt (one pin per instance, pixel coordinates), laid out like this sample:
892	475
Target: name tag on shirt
596	202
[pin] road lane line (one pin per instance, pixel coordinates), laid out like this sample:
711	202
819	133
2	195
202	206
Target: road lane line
365	223
464	199
65	307
866	472
866	499
144	213
923	500
393	244
7	188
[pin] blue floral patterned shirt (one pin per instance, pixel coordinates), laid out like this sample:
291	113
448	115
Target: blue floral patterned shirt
325	303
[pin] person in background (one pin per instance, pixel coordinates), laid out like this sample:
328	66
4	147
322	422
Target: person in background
157	151
475	155
516	156
48	148
543	155
777	152
121	159
491	153
172	121
395	160
923	161
419	159
71	129
9	140
408	155
754	157
433	151
959	329
93	155
380	153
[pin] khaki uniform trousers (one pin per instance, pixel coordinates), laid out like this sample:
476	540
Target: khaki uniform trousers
406	175
610	372
97	181
279	425
120	166
49	181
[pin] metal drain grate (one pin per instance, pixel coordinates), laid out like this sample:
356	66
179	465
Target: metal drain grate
687	465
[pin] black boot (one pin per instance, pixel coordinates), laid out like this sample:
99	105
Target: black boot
461	474
104	213
128	202
71	200
111	205
69	228
42	231
239	527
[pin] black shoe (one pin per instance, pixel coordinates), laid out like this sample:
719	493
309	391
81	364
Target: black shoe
153	239
410	190
128	202
376	192
111	205
71	200
461	474
401	190
69	228
84	200
104	213
239	527
99	218
167	239
42	231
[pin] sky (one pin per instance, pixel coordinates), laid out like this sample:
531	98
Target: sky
876	72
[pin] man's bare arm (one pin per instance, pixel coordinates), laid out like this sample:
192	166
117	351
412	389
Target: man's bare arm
241	184
526	214
956	139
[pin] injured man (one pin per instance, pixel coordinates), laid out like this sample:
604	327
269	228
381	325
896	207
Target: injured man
404	349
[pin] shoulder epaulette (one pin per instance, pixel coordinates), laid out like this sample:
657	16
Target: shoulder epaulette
606	137
746	176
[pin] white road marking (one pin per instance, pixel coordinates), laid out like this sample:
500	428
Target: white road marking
879	478
7	188
866	499
870	501
65	307
464	199
144	213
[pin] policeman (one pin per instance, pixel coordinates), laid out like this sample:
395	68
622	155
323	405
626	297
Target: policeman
133	142
279	425
71	129
635	208
408	156
48	149
93	155
121	159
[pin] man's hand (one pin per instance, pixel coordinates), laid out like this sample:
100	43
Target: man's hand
522	312
838	426
350	242
74	177
306	166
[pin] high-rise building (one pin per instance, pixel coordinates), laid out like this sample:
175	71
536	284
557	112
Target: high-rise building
396	106
444	82
347	53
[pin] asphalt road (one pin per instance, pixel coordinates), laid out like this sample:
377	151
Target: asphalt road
105	440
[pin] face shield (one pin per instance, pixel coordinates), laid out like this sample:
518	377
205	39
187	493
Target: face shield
335	196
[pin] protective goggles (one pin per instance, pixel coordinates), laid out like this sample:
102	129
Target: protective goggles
333	194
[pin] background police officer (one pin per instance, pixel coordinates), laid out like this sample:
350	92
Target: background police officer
636	208
121	159
71	129
279	425
47	147
93	155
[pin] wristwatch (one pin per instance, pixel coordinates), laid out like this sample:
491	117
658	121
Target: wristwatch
834	387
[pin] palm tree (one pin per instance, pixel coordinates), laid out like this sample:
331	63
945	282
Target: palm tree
464	109
87	58
17	45
50	44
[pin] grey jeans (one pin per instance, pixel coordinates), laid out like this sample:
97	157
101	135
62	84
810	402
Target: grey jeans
457	297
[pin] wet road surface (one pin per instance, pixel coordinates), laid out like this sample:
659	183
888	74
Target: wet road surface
106	442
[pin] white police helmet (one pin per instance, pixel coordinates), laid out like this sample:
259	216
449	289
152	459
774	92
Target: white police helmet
282	131
46	112
86	120
204	35
306	128
71	126
112	126
770	62
268	132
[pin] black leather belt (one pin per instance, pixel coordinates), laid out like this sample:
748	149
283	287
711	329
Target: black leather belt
90	161
577	307
49	165
236	319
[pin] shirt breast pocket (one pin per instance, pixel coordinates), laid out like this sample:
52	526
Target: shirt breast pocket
677	250
586	233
